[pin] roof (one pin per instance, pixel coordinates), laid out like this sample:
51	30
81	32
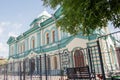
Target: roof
11	39
44	13
42	24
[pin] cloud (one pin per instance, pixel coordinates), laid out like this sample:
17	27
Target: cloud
3	49
16	25
7	29
12	34
2	24
1	30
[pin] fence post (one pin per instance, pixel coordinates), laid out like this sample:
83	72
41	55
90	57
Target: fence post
30	61
90	60
45	67
24	69
20	73
37	72
60	64
40	67
13	70
101	61
4	71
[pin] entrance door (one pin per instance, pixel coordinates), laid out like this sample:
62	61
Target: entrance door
79	58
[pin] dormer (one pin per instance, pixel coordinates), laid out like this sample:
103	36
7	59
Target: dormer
40	18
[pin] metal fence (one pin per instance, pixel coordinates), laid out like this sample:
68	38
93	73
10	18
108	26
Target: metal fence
110	49
100	60
82	64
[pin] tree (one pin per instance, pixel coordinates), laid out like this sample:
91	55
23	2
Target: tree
86	15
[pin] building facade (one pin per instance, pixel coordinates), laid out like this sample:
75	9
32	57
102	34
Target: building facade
45	38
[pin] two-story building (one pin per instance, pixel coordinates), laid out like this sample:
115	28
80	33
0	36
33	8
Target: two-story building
44	37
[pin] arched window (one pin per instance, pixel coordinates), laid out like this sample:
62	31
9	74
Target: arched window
33	42
18	48
55	62
47	38
53	36
23	47
12	50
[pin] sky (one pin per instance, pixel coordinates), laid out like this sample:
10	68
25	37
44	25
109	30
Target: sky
15	18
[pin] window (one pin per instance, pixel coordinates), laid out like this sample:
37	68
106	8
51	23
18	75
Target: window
55	62
18	48
33	42
32	65
10	66
53	36
47	38
12	50
23	47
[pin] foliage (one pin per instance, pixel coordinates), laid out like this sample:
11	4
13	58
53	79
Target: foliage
86	15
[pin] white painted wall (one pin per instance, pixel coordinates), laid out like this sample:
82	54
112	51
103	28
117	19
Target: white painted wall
77	42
